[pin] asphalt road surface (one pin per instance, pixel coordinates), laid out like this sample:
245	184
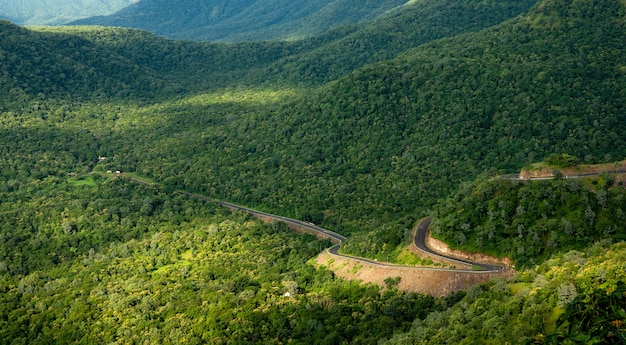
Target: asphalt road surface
419	240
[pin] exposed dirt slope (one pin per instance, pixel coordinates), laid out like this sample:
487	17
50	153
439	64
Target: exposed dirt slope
436	283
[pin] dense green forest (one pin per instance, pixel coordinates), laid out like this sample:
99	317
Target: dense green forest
93	260
529	221
372	150
363	144
309	62
243	20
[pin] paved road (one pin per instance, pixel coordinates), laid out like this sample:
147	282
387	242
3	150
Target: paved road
419	238
333	236
516	177
420	242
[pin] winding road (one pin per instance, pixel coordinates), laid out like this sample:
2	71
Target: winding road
419	240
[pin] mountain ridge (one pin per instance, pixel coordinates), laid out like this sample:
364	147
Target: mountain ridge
243	20
55	12
363	151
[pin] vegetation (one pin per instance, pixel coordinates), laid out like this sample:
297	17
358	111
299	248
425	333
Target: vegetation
116	261
574	298
309	62
530	221
231	21
391	152
55	12
42	67
363	147
563	160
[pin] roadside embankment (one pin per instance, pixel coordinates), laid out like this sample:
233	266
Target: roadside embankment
442	248
433	282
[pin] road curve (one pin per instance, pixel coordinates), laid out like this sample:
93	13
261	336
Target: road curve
419	240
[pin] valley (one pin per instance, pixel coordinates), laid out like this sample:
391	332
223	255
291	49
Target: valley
363	130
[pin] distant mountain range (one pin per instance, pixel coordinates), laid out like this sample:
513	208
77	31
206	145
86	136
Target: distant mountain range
243	20
55	12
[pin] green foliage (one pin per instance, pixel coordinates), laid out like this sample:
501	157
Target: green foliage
84	264
561	160
238	20
529	221
327	57
522	310
313	61
597	317
367	153
34	65
359	147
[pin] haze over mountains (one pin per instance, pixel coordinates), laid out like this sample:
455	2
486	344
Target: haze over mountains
362	130
243	20
56	12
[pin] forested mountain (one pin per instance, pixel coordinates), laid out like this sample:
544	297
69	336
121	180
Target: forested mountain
243	20
385	141
363	147
51	65
55	12
201	66
341	51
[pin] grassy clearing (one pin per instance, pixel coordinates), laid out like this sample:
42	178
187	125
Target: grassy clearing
403	256
517	287
579	168
83	180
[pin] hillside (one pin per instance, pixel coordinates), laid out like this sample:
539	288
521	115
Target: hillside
55	12
47	66
363	149
243	20
574	298
312	61
392	137
529	221
380	145
98	260
328	57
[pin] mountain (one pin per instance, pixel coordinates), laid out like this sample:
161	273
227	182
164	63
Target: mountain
243	20
54	64
55	12
328	57
380	144
89	255
312	61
